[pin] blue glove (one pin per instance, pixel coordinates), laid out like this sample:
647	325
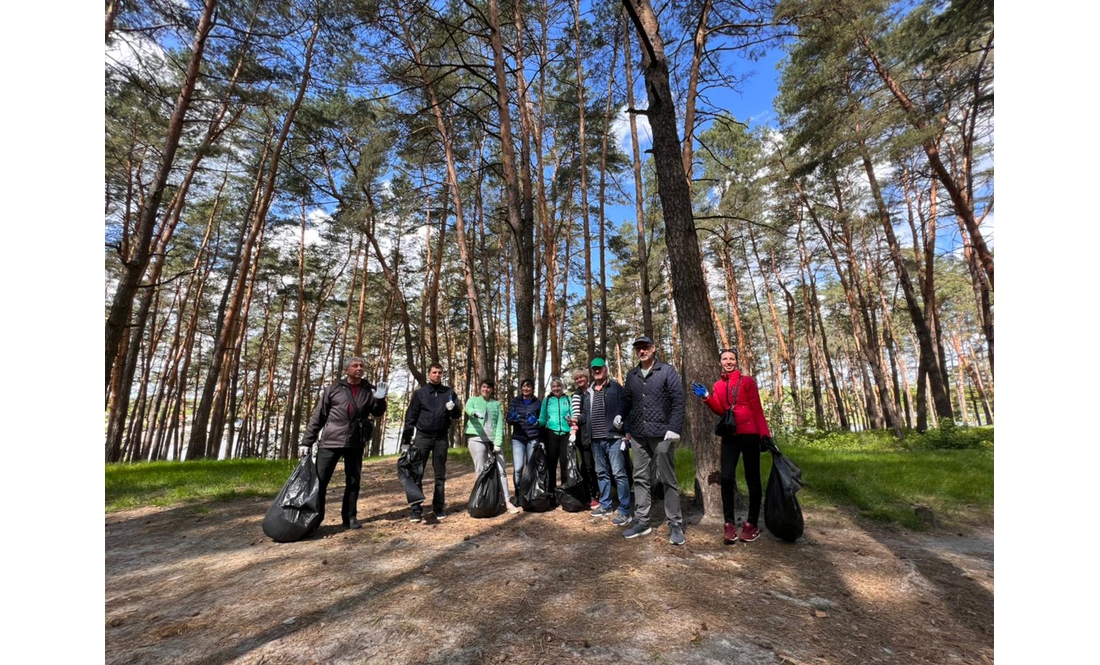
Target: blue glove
513	416
699	389
531	419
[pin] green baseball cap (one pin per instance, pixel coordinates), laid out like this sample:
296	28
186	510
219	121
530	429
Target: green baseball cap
598	362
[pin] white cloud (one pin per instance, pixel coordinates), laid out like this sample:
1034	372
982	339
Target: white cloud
135	52
286	239
620	127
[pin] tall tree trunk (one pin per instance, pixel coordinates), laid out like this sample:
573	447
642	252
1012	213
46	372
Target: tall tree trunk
133	266
639	210
521	227
688	286
197	441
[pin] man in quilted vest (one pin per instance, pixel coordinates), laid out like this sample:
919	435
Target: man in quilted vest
654	404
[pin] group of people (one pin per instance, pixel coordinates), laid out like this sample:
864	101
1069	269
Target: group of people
626	436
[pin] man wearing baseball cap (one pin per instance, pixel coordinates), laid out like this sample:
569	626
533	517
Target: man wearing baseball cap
601	419
654	402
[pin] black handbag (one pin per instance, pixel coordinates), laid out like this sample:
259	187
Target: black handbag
727	426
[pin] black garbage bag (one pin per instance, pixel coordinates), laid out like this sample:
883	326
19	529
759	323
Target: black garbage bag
296	511
487	498
534	485
573	494
782	514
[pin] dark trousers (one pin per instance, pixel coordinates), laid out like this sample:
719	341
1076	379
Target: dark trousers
588	469
556	447
410	469
747	445
353	470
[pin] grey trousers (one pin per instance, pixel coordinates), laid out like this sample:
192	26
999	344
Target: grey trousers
654	460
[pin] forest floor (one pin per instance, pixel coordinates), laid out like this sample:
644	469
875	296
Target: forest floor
202	584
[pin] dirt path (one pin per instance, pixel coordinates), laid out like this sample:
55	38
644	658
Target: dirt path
202	584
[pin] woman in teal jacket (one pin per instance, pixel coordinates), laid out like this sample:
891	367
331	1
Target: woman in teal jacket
485	435
554	419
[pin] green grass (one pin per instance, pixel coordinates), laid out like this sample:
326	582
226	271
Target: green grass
171	483
950	471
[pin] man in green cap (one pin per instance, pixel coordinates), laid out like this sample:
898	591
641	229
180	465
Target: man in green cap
601	421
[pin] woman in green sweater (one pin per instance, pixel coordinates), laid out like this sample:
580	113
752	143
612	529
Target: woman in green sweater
554	419
485	434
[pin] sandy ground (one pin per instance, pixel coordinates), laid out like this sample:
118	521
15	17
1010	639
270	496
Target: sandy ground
202	584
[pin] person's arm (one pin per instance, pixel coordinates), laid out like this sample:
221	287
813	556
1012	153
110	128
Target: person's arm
498	422
752	394
713	400
625	404
411	415
676	392
456	412
544	412
317	420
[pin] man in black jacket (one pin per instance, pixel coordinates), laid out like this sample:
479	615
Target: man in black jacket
654	400
432	410
341	428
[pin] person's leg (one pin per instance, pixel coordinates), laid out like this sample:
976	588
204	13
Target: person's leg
618	458
588	468
353	472
750	450
643	452
666	475
728	478
553	452
564	451
519	460
326	465
603	472
477	453
439	465
498	461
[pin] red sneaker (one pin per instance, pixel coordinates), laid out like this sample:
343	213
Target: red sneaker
730	533
594	505
749	533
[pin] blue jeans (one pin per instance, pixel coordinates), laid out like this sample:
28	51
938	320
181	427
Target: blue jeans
521	452
610	463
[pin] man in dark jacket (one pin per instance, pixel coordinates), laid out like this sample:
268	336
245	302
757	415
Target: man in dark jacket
341	428
432	410
654	400
601	420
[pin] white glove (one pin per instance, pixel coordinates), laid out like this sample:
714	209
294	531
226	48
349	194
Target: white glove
618	422
450	404
381	390
671	436
304	451
572	437
622	446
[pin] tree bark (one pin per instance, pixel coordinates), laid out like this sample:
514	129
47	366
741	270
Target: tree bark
688	286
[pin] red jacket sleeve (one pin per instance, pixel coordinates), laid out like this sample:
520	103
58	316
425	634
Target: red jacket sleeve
753	397
714	401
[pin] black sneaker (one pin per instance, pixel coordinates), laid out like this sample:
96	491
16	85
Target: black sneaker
417	515
676	534
353	523
439	514
600	511
637	530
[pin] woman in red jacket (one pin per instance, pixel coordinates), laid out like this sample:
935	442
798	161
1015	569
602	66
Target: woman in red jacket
737	391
